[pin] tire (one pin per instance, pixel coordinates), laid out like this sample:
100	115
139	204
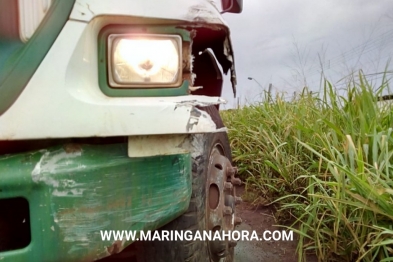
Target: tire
208	149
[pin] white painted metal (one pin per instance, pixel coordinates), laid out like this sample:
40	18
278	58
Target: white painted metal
31	13
185	10
144	146
63	98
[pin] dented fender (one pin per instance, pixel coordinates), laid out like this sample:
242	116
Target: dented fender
65	100
142	116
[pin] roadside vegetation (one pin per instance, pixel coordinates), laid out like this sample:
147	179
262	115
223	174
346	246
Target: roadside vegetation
325	161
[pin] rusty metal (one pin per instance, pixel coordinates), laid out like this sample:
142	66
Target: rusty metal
238	221
214	196
228	185
115	248
231	171
221	212
227	210
72	148
232	243
236	181
238	200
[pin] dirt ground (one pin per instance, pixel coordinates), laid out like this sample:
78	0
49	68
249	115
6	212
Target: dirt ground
262	219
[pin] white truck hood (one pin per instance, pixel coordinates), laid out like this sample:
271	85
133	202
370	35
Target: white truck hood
185	10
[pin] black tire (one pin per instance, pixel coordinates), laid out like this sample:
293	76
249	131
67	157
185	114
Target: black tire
195	217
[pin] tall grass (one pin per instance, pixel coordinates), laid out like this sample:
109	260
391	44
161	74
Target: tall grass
327	161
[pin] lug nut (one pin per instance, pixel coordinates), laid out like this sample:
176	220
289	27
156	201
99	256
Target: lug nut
238	221
228	185
228	210
231	171
236	181
232	243
238	200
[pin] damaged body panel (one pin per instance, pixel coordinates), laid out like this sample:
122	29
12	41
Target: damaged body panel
107	129
77	107
197	13
76	191
191	10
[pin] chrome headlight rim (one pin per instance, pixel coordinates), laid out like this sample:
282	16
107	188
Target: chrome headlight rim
145	36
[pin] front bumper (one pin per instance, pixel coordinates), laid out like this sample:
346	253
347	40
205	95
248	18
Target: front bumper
75	191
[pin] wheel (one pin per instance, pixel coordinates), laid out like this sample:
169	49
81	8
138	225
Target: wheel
212	204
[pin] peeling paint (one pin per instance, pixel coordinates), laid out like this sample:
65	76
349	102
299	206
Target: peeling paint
191	10
195	114
197	145
219	101
52	162
72	148
99	188
77	69
68	193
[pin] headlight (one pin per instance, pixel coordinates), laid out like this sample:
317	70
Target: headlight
137	60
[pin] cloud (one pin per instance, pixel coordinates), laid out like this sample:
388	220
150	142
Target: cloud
264	34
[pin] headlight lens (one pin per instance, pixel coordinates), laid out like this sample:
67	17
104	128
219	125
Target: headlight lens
144	60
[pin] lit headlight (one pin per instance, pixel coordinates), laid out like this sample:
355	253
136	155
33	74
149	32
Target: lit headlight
144	60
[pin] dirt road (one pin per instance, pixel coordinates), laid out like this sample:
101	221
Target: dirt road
262	219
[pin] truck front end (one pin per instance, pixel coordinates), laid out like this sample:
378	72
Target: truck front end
108	115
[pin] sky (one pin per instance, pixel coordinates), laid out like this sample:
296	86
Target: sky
288	42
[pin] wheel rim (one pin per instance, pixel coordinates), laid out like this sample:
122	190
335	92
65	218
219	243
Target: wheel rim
221	201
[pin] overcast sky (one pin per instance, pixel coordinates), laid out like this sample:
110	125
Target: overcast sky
275	41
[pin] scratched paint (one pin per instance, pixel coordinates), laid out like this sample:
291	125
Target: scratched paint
190	10
74	194
76	107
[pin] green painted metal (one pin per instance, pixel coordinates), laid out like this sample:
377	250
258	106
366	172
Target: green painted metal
23	61
76	191
135	92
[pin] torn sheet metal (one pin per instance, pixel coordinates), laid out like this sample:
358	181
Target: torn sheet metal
144	146
228	51
188	60
198	12
216	38
76	107
216	101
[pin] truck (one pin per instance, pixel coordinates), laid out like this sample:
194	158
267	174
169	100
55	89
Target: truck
109	122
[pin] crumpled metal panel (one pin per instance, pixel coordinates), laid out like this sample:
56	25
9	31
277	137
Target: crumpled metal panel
63	99
195	11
